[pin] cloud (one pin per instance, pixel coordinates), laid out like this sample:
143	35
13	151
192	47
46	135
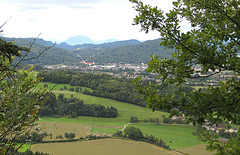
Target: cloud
31	7
60	19
55	2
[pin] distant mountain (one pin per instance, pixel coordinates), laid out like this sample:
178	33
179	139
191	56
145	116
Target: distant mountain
65	46
131	53
81	39
78	40
102	46
105	41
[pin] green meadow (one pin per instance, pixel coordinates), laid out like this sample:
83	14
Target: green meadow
125	110
176	136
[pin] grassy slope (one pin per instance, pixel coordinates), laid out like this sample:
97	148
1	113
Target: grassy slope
125	110
181	136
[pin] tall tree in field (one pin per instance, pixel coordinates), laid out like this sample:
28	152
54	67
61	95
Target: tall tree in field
19	102
213	43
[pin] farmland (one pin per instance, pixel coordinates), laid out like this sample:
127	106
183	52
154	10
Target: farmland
197	149
60	129
103	146
176	136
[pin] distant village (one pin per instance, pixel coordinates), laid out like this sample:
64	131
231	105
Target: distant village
136	70
115	69
92	66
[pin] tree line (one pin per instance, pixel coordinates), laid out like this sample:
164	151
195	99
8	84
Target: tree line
102	85
107	86
73	107
136	134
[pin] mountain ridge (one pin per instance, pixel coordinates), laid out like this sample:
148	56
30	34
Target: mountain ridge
66	46
128	51
82	39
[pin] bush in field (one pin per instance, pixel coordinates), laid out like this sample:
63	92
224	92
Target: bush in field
66	135
72	135
133	133
167	120
134	119
69	135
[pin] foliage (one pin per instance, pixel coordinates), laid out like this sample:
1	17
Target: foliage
131	51
133	133
19	105
69	135
7	51
136	134
19	102
37	137
54	55
126	54
74	107
29	152
133	119
212	43
159	142
102	85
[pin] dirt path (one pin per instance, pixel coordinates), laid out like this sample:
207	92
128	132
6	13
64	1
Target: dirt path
125	126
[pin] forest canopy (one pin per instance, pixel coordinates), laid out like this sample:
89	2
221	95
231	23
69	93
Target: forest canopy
212	42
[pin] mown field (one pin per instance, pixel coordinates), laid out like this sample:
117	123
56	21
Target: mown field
197	150
61	128
101	147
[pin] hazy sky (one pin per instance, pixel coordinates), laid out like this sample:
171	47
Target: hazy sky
61	19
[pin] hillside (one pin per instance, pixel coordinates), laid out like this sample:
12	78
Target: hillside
102	46
52	56
129	51
126	54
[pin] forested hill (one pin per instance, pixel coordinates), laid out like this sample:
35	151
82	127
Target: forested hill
129	51
126	54
52	56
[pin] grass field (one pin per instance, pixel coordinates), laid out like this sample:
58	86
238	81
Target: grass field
98	125
101	147
57	86
176	136
125	110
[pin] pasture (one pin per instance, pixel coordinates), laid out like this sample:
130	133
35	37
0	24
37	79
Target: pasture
101	147
176	136
125	110
56	86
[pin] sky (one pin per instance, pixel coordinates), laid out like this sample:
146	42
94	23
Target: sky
57	20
